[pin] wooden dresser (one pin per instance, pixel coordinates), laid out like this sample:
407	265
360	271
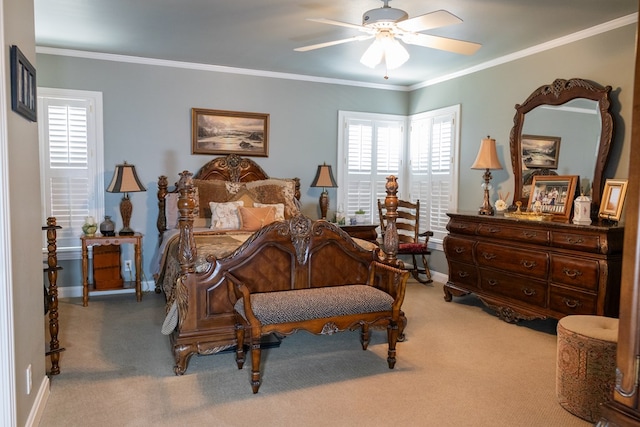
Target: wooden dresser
529	269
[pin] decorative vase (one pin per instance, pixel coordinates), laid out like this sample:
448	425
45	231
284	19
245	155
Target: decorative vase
89	227
360	218
107	227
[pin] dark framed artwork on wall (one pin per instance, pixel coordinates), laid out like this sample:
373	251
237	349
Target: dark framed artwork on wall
23	85
229	132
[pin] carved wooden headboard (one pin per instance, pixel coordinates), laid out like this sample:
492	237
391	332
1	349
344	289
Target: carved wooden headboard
231	168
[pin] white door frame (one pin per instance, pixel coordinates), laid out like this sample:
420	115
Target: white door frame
7	342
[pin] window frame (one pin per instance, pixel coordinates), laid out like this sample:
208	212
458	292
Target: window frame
95	160
405	177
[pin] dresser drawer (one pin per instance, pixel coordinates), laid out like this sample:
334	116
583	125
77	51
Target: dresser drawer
464	275
578	272
578	242
569	301
462	227
521	288
519	234
517	260
458	249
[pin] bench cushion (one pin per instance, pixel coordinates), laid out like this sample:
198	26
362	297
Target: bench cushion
316	303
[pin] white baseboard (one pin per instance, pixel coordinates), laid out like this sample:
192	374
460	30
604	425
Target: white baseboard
76	291
37	410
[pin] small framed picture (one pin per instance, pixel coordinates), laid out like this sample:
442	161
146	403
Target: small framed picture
23	85
553	194
613	196
229	132
540	152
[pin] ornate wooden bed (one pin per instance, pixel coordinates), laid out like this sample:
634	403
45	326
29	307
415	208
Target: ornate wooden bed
200	307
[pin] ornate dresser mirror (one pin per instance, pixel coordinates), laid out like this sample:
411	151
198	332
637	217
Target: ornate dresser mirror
573	118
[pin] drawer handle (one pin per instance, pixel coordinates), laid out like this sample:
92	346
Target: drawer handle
492	282
528	291
494	230
571	303
528	264
529	235
488	256
572	273
463	274
459	249
574	241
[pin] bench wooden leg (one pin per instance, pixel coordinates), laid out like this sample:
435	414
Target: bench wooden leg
392	336
240	356
365	336
255	364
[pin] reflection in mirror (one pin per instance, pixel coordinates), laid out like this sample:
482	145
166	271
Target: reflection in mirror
563	129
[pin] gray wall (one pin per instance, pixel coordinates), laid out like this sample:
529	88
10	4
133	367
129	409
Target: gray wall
147	116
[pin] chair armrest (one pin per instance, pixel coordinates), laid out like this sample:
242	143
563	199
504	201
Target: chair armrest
241	291
390	279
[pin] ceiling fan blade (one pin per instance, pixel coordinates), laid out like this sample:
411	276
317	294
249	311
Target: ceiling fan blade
437	19
333	43
338	23
442	43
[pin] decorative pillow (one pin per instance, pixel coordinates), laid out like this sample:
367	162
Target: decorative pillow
246	196
225	216
274	190
210	191
253	219
233	187
279	207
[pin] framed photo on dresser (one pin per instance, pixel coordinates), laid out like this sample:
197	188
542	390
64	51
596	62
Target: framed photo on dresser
553	194
615	190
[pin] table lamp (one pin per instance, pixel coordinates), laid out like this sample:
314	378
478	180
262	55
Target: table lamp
125	180
487	159
324	179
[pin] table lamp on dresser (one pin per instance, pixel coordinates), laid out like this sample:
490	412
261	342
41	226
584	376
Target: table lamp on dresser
125	180
487	159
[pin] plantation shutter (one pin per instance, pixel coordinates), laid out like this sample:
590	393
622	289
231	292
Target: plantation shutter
69	166
373	149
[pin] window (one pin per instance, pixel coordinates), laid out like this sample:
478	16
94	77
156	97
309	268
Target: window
373	146
71	163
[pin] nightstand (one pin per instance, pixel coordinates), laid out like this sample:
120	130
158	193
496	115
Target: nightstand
98	240
362	231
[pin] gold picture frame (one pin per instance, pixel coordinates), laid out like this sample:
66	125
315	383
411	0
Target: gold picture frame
229	132
553	194
613	195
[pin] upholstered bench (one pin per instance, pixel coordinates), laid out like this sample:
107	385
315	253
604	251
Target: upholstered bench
586	364
320	310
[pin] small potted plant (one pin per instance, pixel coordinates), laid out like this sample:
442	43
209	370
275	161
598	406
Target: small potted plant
360	216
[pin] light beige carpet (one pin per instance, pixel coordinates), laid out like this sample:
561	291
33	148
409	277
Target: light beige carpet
460	366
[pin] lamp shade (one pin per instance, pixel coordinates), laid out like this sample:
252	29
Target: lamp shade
125	180
487	155
324	177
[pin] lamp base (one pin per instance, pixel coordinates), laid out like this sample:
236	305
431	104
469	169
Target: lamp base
126	232
486	208
324	203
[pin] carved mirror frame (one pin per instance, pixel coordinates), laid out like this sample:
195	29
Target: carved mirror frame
558	93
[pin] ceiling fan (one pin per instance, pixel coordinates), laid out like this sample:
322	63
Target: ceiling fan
388	25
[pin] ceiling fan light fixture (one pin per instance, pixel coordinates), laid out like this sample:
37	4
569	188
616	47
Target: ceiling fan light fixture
385	48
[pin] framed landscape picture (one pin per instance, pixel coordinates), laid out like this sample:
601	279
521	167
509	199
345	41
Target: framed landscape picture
553	194
615	190
229	132
540	152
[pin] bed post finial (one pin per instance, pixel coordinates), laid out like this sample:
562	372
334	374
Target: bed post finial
186	206
391	231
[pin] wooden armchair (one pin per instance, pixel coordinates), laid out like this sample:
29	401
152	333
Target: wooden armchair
410	240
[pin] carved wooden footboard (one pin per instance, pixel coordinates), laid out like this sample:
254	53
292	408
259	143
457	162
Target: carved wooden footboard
205	307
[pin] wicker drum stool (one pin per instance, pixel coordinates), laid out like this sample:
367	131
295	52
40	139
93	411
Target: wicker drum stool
586	364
